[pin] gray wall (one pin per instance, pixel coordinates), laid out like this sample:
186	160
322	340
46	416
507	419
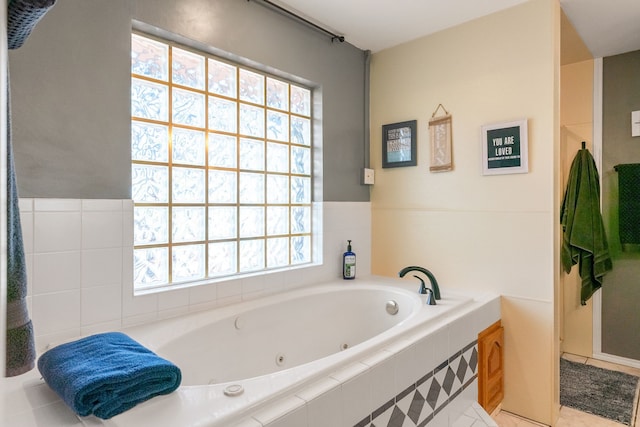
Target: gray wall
70	89
621	289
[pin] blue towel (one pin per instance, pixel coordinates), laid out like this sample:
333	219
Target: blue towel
22	17
107	374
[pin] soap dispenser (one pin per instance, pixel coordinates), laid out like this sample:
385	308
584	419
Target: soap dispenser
349	263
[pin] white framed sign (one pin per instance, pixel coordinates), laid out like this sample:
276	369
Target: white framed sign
505	148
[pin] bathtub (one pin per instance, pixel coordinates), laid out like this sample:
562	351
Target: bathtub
343	354
258	362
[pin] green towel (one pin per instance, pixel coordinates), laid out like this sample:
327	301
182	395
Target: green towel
584	241
629	204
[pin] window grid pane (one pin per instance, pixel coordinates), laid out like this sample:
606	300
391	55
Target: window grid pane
221	167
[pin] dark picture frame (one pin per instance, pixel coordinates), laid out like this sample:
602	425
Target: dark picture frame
399	144
505	148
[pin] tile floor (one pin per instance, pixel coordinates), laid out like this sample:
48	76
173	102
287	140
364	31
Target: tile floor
570	417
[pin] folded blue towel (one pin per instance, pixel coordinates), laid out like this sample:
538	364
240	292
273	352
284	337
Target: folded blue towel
107	374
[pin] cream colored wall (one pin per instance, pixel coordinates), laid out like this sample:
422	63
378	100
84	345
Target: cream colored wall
576	119
497	233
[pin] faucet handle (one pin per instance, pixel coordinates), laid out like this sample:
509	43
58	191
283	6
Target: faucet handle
423	288
431	300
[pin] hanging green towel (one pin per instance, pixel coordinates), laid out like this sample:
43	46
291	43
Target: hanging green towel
629	204
584	241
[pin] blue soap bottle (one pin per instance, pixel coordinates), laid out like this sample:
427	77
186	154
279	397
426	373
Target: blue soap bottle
349	263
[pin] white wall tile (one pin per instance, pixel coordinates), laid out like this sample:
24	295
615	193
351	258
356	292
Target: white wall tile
382	378
101	205
173	299
462	332
56	271
356	399
57	231
102	267
127	223
325	410
287	412
406	368
25	205
137	305
440	340
101	304
57	205
101	229
56	312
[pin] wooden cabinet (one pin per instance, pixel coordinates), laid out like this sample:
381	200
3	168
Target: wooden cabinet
491	367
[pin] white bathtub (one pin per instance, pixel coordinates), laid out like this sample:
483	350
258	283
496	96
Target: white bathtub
323	356
279	332
282	346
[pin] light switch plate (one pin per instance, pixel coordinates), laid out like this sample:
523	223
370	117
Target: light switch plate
635	123
368	177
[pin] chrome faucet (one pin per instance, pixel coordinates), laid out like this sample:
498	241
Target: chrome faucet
423	289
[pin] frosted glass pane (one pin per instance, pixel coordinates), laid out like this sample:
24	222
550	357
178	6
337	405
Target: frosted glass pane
222	187
251	187
187	68
277	220
277	157
188	108
300	249
277	189
301	160
150	225
188	263
222	150
300	101
251	221
149	184
300	131
251	255
277	252
222	78
300	190
251	120
188	185
188	146
300	219
251	87
149	58
222	259
149	100
222	115
277	126
150	267
188	224
251	154
149	142
222	222
277	94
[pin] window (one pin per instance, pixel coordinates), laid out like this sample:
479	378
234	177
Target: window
221	167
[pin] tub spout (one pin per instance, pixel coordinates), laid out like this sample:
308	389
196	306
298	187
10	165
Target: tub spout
434	283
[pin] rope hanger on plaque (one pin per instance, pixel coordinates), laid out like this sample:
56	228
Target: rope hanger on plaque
440	135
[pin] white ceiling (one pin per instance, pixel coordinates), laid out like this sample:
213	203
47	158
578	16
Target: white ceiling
608	27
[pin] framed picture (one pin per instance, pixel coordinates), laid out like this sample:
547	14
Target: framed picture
399	144
505	148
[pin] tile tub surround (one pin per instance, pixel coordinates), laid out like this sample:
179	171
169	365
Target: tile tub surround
80	267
